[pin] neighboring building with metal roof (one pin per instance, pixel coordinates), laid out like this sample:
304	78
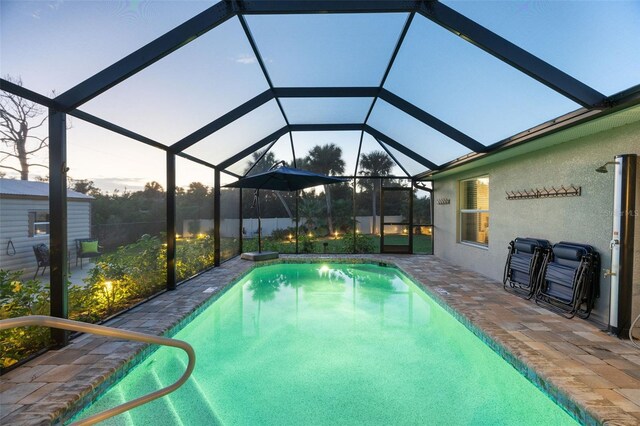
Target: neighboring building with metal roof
27	188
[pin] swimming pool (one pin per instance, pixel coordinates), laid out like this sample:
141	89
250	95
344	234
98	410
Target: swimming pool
327	344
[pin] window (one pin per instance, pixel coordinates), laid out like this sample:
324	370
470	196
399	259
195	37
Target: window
474	210
38	223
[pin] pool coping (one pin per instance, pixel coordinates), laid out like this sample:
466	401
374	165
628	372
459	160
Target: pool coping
84	388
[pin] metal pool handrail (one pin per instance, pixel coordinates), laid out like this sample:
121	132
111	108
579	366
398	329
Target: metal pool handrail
66	324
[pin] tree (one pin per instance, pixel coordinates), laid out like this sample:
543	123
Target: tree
198	200
376	163
326	159
84	186
153	190
422	209
261	165
193	204
19	118
310	209
198	190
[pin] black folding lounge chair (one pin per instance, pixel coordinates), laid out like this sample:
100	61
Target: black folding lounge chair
522	269
594	271
569	279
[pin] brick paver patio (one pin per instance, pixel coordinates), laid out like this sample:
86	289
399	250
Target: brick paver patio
594	375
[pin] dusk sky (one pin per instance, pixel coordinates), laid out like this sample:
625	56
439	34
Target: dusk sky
53	45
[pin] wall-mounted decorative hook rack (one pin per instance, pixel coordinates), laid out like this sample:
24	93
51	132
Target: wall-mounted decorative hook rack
571	191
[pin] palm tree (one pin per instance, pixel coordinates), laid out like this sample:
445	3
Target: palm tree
310	209
326	159
376	163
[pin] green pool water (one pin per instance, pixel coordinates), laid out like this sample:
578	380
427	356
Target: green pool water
313	344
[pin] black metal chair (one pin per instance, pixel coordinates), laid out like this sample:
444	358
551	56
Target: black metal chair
569	279
522	269
42	257
83	253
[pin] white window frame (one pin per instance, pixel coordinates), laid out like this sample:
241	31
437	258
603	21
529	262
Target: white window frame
461	211
33	225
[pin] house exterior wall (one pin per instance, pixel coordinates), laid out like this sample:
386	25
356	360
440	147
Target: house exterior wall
585	219
14	227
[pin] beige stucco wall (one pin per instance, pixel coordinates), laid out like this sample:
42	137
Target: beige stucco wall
584	219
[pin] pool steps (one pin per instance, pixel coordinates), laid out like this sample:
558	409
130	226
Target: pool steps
126	414
101	330
200	408
173	411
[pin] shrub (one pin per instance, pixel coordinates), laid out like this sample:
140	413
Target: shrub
19	298
193	256
305	243
268	244
131	273
117	281
321	231
229	247
283	234
364	243
193	227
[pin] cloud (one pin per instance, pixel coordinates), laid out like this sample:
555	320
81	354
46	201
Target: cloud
55	5
130	184
246	59
52	5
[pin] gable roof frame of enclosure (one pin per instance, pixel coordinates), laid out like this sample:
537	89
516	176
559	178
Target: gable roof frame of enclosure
219	13
329	92
592	101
